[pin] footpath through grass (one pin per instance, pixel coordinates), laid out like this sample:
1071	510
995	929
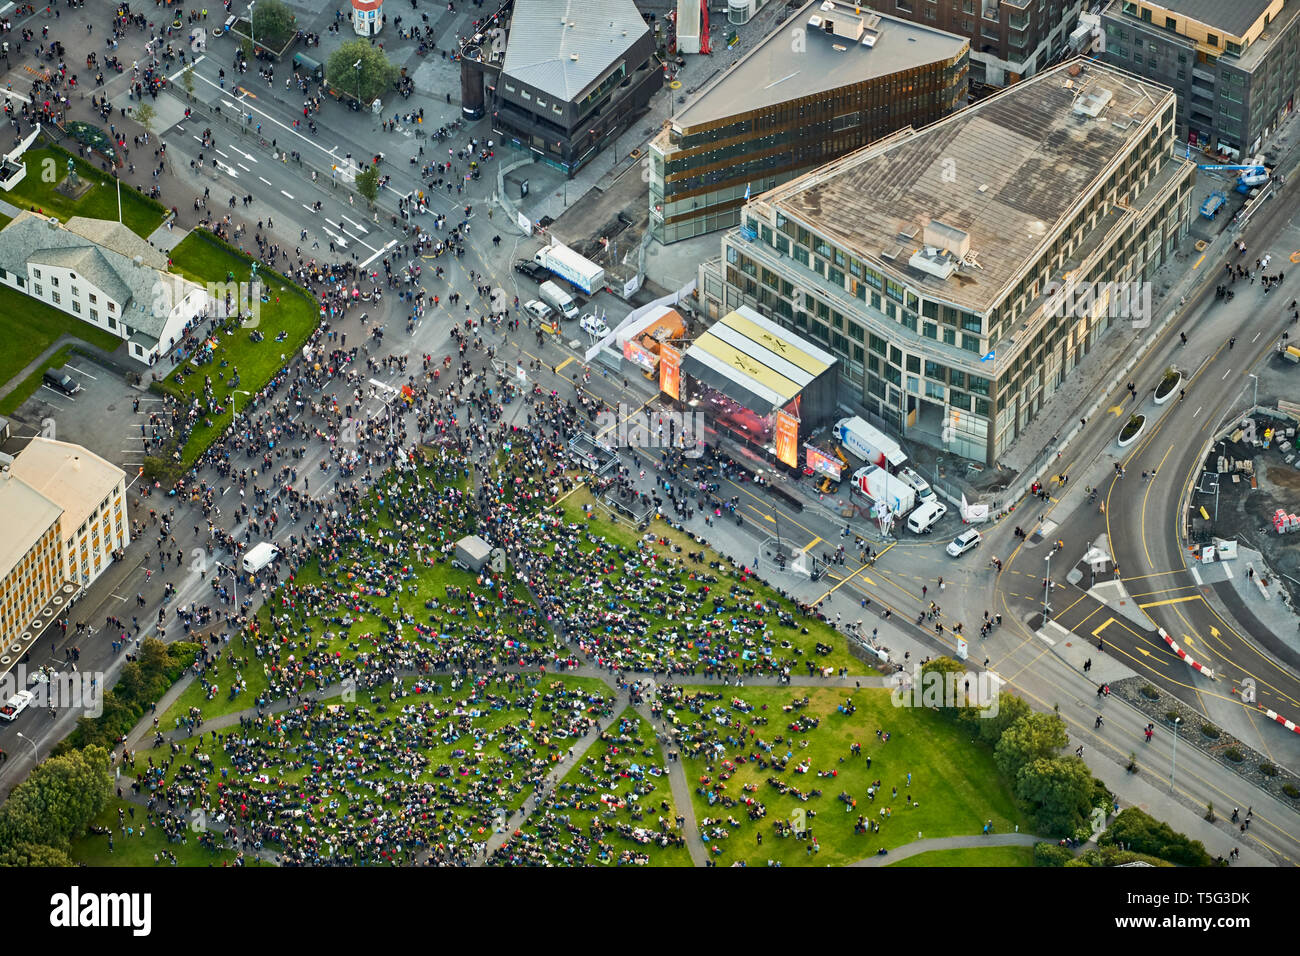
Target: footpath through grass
767	763
29	327
48	166
972	856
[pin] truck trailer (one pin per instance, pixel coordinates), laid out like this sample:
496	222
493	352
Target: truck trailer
869	443
884	489
568	265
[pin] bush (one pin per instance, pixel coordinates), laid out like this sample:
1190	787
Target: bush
1132	427
1150	693
1172	716
1290	790
1268	769
1210	731
1143	833
1168	382
141	683
1233	754
162	469
1051	854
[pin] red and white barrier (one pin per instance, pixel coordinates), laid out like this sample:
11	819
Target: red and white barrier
1196	665
1275	716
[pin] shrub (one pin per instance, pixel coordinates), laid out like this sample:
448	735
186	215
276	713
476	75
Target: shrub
1051	854
1172	715
1133	426
1268	769
1150	693
1233	754
1143	833
1210	731
1290	790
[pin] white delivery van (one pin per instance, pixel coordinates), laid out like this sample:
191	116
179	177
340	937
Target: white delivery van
926	516
558	299
924	492
259	556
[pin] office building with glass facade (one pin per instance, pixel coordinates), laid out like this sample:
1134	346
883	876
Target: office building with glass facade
834	78
928	263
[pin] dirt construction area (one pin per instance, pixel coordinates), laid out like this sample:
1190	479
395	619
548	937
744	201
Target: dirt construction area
1253	483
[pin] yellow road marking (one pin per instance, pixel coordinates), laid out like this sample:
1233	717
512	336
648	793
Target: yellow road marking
560	367
1177	600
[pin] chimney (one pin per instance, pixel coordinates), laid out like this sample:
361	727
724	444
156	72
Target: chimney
52	222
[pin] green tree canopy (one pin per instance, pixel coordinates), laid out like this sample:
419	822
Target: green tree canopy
1058	793
1029	738
1010	709
368	183
375	77
273	23
58	800
1142	833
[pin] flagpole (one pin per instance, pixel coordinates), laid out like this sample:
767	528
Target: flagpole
119	199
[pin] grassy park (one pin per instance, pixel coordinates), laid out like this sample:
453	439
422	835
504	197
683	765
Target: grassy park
203	258
48	166
763	784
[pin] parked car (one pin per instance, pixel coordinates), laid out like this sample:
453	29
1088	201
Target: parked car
528	267
594	324
964	542
538	310
60	380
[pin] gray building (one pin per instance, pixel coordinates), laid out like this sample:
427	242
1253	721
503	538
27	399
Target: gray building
561	78
1232	63
932	264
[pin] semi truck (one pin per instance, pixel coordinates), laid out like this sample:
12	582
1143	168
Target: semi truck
884	489
568	265
869	443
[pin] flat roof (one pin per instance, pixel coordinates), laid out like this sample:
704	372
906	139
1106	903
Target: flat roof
775	71
73	477
563	46
25	514
763	359
1233	17
997	178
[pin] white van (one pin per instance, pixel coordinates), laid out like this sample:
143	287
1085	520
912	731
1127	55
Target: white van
558	299
926	516
259	556
924	492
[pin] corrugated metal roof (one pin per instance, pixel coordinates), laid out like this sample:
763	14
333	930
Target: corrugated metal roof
562	46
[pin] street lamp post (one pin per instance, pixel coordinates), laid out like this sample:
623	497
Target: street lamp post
233	393
1173	764
235	578
357	66
251	37
36	754
1255	399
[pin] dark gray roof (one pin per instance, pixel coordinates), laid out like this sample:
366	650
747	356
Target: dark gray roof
1233	17
562	46
778	70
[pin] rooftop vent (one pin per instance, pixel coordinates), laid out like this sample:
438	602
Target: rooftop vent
933	261
1092	104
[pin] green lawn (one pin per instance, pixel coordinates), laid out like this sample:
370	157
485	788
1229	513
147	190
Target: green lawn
618	799
289	308
975	856
140	214
138	848
28	327
28	386
5	220
955	787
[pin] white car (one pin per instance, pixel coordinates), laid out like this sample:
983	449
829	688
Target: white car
538	310
964	542
594	324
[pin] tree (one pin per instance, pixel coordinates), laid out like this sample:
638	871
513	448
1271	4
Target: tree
1057	791
273	23
187	77
1031	737
35	854
58	800
375	76
1143	833
368	183
1010	709
144	115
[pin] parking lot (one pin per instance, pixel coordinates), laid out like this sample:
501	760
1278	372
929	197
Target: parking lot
99	416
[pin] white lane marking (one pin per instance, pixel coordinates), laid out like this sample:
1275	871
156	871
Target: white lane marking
1196	575
1197	412
283	193
265	180
1257	335
356	225
1226	374
1227	569
243	167
73	368
389	245
172	78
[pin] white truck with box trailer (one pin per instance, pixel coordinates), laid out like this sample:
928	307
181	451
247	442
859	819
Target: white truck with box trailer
568	265
883	488
863	440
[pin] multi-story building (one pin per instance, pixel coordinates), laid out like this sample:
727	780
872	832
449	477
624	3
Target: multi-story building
31	560
561	79
835	78
1009	39
90	494
928	263
1232	63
